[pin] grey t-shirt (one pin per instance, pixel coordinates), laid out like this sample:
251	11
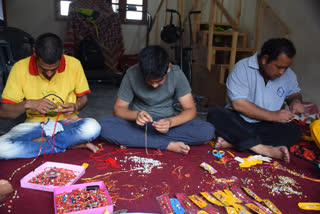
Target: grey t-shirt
156	101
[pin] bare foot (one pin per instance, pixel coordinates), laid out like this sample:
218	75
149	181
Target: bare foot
122	147
222	144
93	148
178	147
279	152
5	188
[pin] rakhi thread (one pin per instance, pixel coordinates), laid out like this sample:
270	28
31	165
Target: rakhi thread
15	171
277	165
146	139
10	201
158	152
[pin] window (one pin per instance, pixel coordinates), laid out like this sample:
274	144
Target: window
62	9
131	11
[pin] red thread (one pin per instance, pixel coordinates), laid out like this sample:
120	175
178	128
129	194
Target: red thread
51	138
69	120
108	162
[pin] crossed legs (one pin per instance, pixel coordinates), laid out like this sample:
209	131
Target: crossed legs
265	138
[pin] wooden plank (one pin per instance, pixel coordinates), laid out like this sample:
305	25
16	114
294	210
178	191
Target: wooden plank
226	33
182	9
155	19
244	41
233	49
259	22
238	12
213	56
156	32
200	15
222	74
166	15
238	49
204	38
227	15
194	24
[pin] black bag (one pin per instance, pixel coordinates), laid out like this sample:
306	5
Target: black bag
91	55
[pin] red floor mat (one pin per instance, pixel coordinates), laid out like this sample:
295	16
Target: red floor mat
135	186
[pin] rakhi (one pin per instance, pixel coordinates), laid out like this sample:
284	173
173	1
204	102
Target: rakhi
158	151
108	173
277	165
177	171
10	201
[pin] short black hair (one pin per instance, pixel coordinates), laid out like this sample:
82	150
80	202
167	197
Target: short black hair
153	62
49	47
275	47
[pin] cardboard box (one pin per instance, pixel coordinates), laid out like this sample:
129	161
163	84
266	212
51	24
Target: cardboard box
78	170
99	210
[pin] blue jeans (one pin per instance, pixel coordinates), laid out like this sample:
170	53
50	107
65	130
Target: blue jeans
18	142
129	134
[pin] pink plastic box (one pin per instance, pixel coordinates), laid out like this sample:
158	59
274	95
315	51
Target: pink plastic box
78	170
99	210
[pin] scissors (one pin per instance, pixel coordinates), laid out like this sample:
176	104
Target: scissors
217	153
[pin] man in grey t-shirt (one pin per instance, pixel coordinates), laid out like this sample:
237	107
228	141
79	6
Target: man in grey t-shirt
257	88
146	98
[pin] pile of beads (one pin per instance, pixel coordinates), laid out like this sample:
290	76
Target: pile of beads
80	199
54	176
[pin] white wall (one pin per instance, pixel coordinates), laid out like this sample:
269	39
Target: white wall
38	16
302	18
135	35
34	17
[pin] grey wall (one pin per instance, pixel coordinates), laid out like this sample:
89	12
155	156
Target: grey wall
38	16
302	17
34	16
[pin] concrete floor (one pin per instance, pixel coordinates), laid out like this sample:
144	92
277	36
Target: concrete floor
101	100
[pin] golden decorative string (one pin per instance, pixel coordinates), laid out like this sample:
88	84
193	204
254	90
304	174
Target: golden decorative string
146	139
11	200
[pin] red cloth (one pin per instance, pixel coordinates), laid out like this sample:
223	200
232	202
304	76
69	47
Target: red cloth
128	185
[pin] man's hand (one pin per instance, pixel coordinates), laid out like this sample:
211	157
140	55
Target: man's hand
143	117
68	109
5	188
283	116
296	107
162	125
42	106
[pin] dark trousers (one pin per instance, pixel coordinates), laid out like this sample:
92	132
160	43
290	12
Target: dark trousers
129	134
244	135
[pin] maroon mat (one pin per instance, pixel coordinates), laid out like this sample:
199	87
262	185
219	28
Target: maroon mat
136	189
